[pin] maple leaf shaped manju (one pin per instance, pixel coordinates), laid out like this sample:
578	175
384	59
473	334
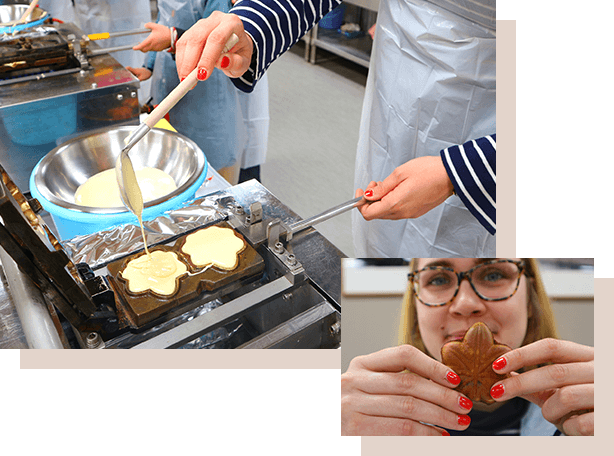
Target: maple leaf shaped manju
472	360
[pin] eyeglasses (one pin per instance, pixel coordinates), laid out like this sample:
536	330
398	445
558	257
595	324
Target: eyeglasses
495	280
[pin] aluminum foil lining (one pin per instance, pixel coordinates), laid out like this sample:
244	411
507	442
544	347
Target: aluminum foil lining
100	248
33	32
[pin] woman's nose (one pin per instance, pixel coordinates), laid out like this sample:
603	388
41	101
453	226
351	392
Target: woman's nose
467	302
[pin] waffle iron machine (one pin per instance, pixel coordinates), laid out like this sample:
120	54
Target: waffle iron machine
55	83
284	293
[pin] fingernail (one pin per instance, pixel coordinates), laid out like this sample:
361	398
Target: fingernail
499	363
445	433
497	391
202	74
453	378
464	420
225	62
369	193
182	79
465	403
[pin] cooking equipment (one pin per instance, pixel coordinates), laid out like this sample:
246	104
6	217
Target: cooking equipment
28	240
326	215
281	297
107	35
57	176
64	88
142	308
34	52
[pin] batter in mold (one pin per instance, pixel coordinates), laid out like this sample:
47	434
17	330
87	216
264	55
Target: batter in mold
217	246
156	271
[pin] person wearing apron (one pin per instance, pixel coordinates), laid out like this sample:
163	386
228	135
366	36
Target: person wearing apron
97	16
431	85
230	126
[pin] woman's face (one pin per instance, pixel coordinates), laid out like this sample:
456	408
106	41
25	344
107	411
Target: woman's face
506	319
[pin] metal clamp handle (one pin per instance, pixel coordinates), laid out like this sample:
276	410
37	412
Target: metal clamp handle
330	213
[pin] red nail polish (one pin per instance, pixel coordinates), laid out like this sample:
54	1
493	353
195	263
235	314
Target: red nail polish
499	363
497	391
182	79
445	433
453	378
369	193
202	74
464	420
465	403
225	62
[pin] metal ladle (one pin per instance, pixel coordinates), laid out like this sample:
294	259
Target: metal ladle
129	189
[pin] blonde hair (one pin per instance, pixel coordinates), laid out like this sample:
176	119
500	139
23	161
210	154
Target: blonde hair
540	324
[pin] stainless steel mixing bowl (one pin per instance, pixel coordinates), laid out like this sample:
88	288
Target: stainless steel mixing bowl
66	167
9	14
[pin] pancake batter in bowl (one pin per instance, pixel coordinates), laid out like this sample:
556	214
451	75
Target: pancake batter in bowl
102	190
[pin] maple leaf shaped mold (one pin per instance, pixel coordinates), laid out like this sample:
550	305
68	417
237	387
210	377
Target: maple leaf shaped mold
472	360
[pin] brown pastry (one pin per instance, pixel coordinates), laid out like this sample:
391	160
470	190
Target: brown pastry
472	360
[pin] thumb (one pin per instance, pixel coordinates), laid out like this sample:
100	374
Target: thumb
232	64
139	46
376	191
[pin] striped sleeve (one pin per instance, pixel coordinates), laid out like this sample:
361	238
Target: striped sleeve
274	26
472	170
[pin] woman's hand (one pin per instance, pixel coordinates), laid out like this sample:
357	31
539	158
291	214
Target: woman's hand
379	396
158	40
564	390
412	190
203	44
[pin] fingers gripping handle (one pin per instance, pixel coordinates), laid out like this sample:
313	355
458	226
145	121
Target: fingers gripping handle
178	92
172	99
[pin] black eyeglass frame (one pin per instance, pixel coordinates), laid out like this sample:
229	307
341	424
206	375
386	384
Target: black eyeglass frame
467	274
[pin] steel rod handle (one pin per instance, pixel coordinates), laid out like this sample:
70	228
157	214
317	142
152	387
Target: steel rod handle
328	214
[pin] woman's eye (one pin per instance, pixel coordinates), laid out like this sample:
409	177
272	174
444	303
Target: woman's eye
438	281
492	276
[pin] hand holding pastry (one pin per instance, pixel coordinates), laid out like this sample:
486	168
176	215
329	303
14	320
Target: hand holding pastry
396	390
564	390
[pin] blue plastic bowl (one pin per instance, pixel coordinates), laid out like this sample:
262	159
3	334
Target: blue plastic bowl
59	173
12	13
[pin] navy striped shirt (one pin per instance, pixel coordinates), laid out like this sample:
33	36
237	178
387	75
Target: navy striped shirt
275	25
472	169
